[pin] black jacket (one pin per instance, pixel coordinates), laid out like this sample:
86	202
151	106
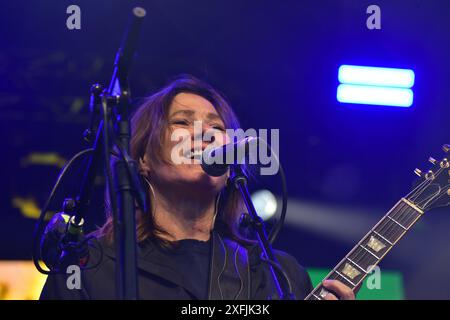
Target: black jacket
236	272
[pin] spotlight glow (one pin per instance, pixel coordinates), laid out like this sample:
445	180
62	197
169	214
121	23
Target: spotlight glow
375	76
265	204
386	96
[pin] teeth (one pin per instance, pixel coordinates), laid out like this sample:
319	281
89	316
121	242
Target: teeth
197	154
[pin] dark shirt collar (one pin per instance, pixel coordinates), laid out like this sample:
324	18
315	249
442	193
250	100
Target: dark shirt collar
229	275
152	259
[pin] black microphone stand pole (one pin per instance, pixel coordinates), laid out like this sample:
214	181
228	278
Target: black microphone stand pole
117	99
239	180
125	226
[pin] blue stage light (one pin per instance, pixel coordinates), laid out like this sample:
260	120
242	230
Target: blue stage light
374	76
398	97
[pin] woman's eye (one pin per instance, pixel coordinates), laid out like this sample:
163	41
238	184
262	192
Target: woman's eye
218	127
181	122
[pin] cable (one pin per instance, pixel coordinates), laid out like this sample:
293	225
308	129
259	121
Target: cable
36	250
39	229
279	224
277	228
280	271
109	179
137	189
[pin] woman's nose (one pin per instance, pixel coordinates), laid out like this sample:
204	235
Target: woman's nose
205	136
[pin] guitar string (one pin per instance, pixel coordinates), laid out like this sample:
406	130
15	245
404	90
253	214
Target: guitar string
384	230
359	258
389	228
386	224
360	255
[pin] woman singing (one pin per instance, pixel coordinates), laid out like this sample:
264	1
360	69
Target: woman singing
189	246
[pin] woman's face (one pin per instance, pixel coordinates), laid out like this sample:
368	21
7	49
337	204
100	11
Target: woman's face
178	148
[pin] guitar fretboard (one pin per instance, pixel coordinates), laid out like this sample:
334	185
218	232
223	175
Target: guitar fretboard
372	248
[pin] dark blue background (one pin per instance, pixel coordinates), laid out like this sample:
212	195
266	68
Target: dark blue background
277	63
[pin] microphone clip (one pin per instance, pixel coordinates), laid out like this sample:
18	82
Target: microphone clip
64	243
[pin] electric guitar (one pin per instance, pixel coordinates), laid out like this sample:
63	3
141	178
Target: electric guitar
432	191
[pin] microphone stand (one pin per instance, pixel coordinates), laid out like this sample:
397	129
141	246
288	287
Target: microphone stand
114	101
124	169
239	180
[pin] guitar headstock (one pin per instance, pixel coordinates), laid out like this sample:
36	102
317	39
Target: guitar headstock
434	188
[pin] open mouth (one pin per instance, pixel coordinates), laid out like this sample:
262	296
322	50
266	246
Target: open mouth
194	154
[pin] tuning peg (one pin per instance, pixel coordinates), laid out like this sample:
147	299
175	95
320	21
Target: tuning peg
418	172
432	160
445	163
446	147
429	175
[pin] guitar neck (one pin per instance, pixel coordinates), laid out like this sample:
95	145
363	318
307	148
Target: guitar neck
372	248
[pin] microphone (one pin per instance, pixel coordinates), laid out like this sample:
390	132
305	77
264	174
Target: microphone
131	37
216	160
63	242
125	54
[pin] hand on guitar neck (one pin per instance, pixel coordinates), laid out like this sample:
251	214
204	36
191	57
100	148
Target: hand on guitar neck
339	291
432	191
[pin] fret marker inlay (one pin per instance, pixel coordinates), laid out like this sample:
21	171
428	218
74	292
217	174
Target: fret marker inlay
323	293
350	272
375	244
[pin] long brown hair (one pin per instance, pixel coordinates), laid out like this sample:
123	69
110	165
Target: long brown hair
148	125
